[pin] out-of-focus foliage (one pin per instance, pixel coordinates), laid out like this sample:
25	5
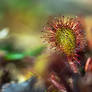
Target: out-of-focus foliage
15	56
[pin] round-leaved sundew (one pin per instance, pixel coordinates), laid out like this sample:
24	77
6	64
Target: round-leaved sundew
65	34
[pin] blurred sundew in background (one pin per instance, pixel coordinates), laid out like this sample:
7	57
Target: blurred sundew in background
22	52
